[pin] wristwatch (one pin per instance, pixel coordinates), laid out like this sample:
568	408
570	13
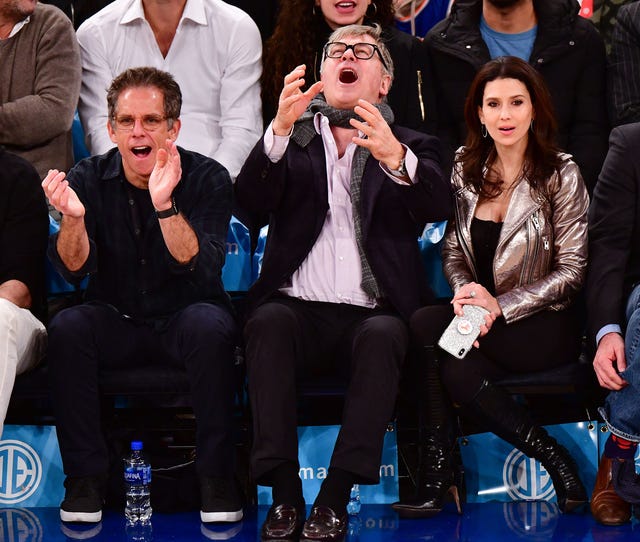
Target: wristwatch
401	171
171	211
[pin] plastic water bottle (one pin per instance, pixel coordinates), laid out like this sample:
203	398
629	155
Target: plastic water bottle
353	506
137	477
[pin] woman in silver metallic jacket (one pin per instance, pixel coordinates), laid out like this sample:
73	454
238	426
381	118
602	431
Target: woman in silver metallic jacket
517	248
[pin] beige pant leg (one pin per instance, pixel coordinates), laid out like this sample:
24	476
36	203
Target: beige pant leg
23	340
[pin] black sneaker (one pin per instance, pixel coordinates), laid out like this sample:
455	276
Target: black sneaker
83	499
220	500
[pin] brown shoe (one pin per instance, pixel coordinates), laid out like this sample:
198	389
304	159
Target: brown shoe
606	505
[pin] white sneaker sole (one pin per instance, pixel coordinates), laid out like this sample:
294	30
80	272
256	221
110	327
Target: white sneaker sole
81	517
221	517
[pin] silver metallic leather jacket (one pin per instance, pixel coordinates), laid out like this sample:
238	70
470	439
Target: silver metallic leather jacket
541	258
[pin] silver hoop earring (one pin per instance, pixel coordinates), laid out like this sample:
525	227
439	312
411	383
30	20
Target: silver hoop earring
313	10
375	9
484	130
531	125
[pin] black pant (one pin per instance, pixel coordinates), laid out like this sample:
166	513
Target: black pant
287	339
88	338
542	341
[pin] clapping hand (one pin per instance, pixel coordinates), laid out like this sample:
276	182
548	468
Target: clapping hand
61	195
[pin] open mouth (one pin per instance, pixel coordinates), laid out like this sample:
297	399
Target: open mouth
348	76
346	5
141	151
507	130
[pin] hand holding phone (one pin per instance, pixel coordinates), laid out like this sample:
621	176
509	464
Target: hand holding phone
463	331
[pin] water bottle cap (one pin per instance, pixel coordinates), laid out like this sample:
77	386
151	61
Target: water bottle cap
136	445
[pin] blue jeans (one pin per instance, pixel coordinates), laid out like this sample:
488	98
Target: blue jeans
621	410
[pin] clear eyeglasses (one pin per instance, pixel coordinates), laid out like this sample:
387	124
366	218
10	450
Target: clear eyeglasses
150	123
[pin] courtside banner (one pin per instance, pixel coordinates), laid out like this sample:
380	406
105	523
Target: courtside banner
496	471
315	447
30	467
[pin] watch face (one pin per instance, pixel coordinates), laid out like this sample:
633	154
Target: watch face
401	171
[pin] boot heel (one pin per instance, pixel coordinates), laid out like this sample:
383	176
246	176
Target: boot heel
455	494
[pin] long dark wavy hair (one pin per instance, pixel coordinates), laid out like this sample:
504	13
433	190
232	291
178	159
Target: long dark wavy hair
299	33
541	158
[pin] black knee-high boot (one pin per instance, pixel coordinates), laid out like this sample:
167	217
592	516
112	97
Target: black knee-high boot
439	474
499	413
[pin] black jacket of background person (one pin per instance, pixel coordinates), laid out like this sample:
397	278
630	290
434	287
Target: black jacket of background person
294	192
568	52
24	228
614	232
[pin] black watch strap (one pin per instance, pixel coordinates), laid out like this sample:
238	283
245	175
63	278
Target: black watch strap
171	211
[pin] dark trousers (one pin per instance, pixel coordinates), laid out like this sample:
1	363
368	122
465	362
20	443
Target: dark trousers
541	341
86	339
288	340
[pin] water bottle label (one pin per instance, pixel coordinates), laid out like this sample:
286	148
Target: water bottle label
137	475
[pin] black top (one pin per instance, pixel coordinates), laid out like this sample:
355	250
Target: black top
24	228
129	264
484	237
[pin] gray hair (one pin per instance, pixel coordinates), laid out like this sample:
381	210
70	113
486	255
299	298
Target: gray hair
357	30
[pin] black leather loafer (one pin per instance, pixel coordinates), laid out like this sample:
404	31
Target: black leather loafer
284	522
324	524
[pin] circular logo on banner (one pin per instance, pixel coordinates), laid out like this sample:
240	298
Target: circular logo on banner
526	479
20	524
20	471
533	520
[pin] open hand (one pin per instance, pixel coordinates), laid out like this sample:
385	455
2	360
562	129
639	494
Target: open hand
166	174
379	138
293	102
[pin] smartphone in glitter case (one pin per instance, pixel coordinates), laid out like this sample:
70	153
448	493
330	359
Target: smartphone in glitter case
462	332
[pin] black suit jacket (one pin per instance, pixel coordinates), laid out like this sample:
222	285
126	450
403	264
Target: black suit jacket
614	231
293	192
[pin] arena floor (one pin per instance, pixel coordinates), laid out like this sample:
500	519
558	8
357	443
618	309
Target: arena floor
492	522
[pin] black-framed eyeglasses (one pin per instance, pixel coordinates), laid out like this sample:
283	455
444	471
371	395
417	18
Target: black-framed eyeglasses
149	122
363	51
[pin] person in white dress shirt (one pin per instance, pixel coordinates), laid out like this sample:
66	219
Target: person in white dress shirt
212	49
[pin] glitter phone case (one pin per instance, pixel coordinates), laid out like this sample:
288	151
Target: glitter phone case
462	332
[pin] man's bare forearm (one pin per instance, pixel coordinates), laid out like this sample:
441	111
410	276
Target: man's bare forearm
180	238
73	243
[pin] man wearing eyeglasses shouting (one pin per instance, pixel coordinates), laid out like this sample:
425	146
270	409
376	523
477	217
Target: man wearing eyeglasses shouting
348	194
147	223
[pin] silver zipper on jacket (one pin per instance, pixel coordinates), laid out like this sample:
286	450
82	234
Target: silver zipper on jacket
536	224
545	241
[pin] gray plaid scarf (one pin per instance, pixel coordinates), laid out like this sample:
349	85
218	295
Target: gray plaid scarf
304	132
